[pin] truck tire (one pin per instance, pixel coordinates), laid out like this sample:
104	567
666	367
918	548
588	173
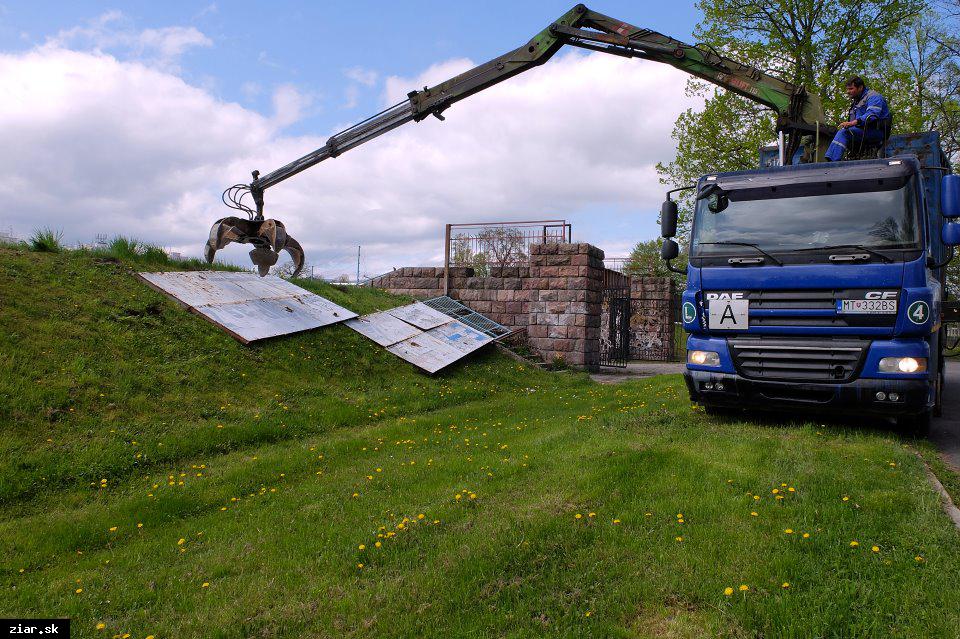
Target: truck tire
915	425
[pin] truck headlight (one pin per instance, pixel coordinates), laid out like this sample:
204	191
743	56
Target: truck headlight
903	364
703	358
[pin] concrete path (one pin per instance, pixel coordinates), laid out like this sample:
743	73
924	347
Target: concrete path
945	432
636	370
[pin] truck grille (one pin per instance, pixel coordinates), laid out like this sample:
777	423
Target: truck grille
787	309
797	359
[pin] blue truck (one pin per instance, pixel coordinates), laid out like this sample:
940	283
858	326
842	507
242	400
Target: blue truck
820	287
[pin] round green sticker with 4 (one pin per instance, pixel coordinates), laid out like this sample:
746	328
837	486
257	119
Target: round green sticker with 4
689	312
918	312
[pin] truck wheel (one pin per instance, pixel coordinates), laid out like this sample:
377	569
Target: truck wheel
915	425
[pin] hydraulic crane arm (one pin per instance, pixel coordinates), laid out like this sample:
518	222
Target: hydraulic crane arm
798	112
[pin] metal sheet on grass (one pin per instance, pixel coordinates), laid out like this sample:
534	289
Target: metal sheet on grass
427	352
420	315
383	328
460	336
246	306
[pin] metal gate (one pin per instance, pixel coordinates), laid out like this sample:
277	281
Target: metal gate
615	320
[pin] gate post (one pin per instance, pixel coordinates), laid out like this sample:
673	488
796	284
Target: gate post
566	284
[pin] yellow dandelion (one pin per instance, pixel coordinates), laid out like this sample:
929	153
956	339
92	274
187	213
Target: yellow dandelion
139	525
359	566
728	591
113	529
756	497
854	544
205	584
775	491
806	535
744	587
79	590
181	541
587	613
458	496
679	538
473	495
578	516
377	544
361	547
792	489
754	514
845	498
421	516
591	515
918	558
101	626
875	548
616	521
785	585
789	531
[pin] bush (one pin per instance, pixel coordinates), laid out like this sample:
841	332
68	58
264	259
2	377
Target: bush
46	240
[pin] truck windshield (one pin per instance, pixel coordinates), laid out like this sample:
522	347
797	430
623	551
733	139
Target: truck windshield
880	214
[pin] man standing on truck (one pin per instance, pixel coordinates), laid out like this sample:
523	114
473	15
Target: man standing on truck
869	123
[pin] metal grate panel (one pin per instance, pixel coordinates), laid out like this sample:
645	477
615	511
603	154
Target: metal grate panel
452	308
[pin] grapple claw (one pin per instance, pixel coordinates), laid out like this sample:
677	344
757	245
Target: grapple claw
268	237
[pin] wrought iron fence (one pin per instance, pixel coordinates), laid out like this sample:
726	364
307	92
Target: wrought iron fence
486	245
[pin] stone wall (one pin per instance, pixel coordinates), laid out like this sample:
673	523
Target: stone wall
557	299
652	316
502	295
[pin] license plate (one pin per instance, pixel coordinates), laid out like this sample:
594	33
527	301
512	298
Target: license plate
876	307
729	315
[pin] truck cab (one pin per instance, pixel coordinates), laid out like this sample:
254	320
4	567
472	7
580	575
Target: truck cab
819	287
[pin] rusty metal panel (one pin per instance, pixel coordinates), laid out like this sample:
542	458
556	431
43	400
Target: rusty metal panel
420	315
460	336
383	328
427	352
246	306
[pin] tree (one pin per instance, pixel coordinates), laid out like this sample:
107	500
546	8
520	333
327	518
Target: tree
503	246
644	261
815	43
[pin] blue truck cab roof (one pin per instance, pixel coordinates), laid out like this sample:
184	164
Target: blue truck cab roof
894	167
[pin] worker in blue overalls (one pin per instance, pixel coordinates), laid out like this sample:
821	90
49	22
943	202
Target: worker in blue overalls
869	121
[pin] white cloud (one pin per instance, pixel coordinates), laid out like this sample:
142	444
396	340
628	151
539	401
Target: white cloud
289	104
366	77
109	146
113	32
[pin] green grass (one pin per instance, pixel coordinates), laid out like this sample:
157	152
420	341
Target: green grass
46	240
274	463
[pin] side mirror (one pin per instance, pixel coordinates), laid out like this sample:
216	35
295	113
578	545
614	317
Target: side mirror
668	219
717	202
950	196
950	234
669	250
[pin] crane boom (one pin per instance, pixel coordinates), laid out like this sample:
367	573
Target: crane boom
799	113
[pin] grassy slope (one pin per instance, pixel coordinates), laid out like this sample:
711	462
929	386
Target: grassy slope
106	380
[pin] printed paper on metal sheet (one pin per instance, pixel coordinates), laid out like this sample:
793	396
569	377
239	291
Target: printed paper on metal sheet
247	306
383	328
460	336
427	352
420	315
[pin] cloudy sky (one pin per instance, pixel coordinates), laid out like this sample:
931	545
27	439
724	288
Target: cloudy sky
131	118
